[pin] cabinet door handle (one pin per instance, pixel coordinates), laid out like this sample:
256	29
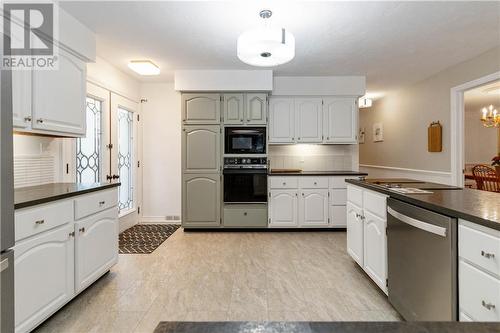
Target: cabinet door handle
296	194
488	255
241	120
328	138
40	120
40	222
245	213
82	230
101	203
488	306
315	183
284	183
302	193
72	234
27	119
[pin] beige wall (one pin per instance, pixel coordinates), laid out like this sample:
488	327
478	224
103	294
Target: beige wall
480	143
407	113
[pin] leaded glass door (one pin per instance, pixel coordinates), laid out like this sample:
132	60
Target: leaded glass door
124	153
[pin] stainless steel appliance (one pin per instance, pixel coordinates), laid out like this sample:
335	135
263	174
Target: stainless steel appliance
6	205
422	257
245	140
245	179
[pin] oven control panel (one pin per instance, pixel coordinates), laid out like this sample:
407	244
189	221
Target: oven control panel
235	162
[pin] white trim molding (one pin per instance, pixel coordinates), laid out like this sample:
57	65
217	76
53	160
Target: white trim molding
158	220
381	171
457	125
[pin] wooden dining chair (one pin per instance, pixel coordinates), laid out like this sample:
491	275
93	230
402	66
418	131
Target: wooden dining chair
486	178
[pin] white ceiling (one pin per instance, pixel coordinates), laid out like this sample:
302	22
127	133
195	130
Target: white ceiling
392	43
477	98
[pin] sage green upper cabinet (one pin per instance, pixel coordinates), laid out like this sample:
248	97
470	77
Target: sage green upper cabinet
308	120
256	109
340	120
201	108
201	148
59	97
233	109
281	120
201	200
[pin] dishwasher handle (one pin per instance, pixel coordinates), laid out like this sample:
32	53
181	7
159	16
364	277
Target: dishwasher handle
437	230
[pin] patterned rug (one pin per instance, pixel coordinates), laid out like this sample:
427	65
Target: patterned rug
145	238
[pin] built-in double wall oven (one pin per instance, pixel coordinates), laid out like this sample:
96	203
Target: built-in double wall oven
244	140
245	180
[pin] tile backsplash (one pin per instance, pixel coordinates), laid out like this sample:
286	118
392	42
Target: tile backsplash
314	157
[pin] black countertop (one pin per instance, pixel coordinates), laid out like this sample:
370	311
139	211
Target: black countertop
35	195
326	327
318	173
476	206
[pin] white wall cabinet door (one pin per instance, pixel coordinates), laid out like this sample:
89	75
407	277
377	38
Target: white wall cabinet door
256	109
233	105
355	233
281	120
375	249
308	120
21	99
283	209
340	120
44	276
59	97
96	247
313	208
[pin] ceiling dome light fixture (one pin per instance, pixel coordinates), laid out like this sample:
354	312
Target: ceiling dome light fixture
266	46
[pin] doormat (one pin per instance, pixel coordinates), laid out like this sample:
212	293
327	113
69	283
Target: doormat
145	238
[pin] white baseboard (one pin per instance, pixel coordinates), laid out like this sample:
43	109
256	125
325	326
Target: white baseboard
158	220
380	171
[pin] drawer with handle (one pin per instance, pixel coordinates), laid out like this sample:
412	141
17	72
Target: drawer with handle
283	182
313	182
89	204
479	293
34	220
480	246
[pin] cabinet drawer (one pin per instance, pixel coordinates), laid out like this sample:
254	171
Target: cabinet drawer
338	216
93	203
284	182
480	248
478	291
355	195
338	197
37	219
238	216
339	182
313	182
375	203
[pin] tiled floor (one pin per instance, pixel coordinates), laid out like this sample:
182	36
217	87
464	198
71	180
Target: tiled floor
203	276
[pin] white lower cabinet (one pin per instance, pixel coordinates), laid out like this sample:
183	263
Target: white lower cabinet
366	232
44	276
307	201
96	247
53	264
283	210
313	208
355	233
478	272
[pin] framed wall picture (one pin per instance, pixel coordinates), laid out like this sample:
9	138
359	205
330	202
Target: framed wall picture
378	132
361	135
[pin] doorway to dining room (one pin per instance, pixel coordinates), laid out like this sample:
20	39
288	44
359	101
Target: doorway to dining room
481	137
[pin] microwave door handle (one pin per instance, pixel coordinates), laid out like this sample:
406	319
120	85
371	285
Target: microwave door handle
437	230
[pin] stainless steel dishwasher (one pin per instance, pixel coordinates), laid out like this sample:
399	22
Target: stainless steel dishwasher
422	262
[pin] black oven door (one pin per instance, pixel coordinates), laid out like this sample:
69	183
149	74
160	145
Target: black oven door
245	185
245	140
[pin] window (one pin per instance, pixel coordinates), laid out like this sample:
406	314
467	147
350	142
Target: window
125	158
88	149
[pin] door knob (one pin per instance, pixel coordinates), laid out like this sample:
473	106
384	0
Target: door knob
115	177
109	177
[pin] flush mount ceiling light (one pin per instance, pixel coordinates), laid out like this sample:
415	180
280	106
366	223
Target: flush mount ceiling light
266	46
144	67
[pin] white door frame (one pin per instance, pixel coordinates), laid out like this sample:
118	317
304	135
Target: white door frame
457	125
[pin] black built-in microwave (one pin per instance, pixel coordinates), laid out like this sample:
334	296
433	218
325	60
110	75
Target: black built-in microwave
245	140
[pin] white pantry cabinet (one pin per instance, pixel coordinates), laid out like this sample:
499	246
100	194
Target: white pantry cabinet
366	232
44	276
58	258
478	272
328	120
